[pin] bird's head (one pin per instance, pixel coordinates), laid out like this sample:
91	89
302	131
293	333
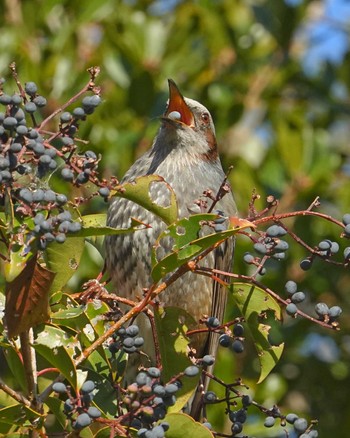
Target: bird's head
189	125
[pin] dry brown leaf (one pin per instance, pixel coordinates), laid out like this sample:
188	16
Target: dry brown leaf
27	298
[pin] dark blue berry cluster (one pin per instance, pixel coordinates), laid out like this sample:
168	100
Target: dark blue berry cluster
126	339
147	400
295	297
29	155
269	245
235	340
78	409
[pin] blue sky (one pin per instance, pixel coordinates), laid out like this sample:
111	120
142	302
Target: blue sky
327	36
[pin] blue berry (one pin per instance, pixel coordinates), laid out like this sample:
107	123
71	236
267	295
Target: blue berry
26	196
128	342
39	218
335	312
260	248
158	390
238	330
139	341
171	388
153	372
30	88
321	309
59	387
132	330
5	99
237	427
67	174
79	113
210	397
269	421
61	199
30	107
66	117
282	245
248	258
325	245
300	425
88	386
290	287
237	346
347	253
225	340
15	147
290	418
90	155
4	163
276	231
298	297
213	322
45	160
346	219
74	227
21	130
142	378
305	264
82	421
291	309
94	412
334	247
218	228
16	99
60	238
82	178
347	230
67	141
208	360
50	196
191	371
247	400
40	101
68	406
9	122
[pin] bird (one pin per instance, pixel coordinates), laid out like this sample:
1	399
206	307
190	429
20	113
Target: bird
185	154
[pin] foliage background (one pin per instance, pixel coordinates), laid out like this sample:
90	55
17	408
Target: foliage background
279	98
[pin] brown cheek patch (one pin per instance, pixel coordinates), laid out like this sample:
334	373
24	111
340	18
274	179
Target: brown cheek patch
212	153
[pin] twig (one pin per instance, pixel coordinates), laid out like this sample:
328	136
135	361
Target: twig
15	395
94	71
29	362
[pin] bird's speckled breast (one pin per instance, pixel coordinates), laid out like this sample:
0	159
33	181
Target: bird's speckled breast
127	262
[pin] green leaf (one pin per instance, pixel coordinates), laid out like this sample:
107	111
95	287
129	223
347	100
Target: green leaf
186	426
64	259
254	304
15	364
105	432
88	323
95	225
187	243
56	408
138	192
18	260
18	414
172	323
52	344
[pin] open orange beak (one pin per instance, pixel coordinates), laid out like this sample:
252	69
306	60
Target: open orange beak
177	108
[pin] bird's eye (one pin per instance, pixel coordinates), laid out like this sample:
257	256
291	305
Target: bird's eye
205	117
